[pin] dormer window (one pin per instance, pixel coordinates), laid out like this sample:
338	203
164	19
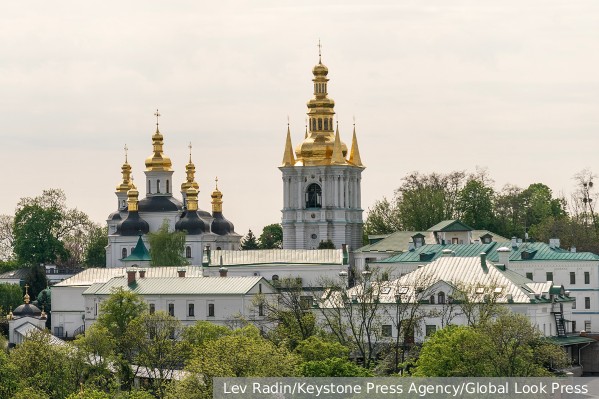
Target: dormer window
314	196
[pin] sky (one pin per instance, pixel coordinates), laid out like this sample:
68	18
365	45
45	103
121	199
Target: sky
434	86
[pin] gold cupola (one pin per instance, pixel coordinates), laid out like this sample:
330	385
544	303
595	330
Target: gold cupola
317	147
190	170
132	198
217	199
158	161
192	199
126	172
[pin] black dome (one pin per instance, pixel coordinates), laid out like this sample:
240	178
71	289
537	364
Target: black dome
191	223
160	203
221	226
134	225
27	309
115	216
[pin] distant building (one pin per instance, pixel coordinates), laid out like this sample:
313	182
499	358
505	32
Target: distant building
24	319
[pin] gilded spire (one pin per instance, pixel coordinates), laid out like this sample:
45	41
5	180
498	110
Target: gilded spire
26	298
126	172
306	134
337	156
354	154
158	161
217	199
288	157
190	170
132	198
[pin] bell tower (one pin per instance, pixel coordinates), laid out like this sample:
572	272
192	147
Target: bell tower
321	180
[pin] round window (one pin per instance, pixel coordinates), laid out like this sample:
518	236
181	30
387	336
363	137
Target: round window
314	236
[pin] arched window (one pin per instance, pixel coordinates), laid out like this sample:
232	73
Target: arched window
123	253
188	252
149	186
313	124
326	124
432	300
168	187
319	123
441	298
314	196
218	248
158	186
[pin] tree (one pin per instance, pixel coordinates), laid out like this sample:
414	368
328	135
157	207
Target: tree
475	204
96	350
328	244
158	349
6	237
271	237
315	349
11	296
9	375
35	241
383	217
36	279
333	367
95	253
200	333
167	247
249	241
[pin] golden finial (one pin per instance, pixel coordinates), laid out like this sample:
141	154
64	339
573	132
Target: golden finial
126	154
10	316
132	198
216	181
157	115
306	134
26	297
354	154
217	198
189	151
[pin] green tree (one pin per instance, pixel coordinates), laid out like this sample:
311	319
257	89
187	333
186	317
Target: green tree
383	217
96	350
249	241
95	253
9	375
45	367
315	349
328	244
11	296
333	367
167	247
475	204
271	237
201	332
35	241
89	394
36	279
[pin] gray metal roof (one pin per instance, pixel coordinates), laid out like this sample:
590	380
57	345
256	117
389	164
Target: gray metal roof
102	275
282	256
179	285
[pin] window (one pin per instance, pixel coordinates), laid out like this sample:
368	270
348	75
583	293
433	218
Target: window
152	308
549	276
441	298
587	302
432	300
259	288
171	309
387	330
572	277
210	310
314	196
454	240
123	253
430	329
168	187
158	186
326	124
191	310
261	310
574	304
573	326
587	278
306	302
319	124
587	325
188	252
529	276
149	186
96	310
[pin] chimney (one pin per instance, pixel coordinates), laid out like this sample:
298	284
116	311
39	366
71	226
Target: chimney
554	243
411	246
447	252
223	271
483	260
503	254
573	249
514	242
131	276
181	272
142	273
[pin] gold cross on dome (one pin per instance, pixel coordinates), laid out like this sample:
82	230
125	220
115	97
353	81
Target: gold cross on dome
126	149
157	115
189	146
319	51
216	180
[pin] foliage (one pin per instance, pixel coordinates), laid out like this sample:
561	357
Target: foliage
333	367
383	217
36	279
11	296
475	204
96	349
6	238
89	394
509	346
249	241
95	253
316	349
45	367
202	332
167	247
9	375
271	237
328	244
8	265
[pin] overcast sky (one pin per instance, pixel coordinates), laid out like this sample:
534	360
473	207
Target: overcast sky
442	85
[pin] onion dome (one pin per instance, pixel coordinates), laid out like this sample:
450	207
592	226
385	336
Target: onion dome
190	170
26	309
220	225
158	161
190	220
133	225
115	216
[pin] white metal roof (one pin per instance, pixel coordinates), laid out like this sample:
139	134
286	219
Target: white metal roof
102	275
297	256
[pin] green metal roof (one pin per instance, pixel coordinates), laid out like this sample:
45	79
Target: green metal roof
537	251
450	225
179	285
140	253
571	340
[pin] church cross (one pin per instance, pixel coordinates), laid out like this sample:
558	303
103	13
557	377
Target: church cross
157	115
216	180
126	149
319	51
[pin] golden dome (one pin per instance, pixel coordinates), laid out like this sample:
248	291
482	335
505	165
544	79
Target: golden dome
190	170
217	199
126	172
132	198
320	69
192	199
158	161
